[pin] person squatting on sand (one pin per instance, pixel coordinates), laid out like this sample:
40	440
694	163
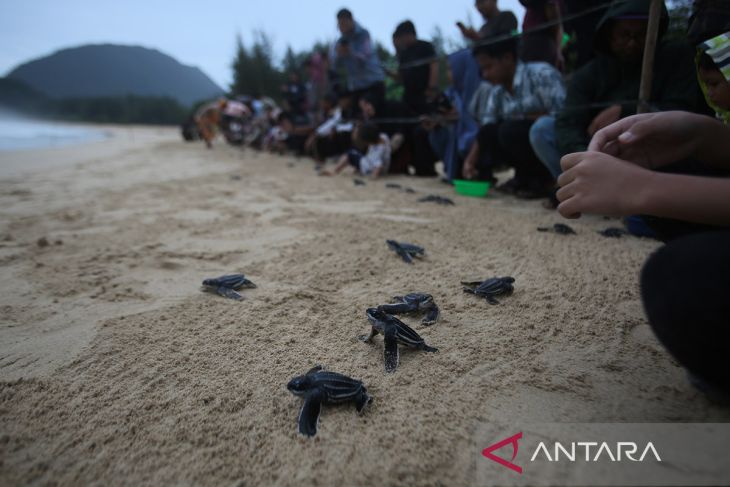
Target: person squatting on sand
685	284
452	130
602	91
522	93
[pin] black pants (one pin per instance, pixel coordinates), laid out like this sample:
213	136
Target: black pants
685	287
424	159
375	92
325	147
508	142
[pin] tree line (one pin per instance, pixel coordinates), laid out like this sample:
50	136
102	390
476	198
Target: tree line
130	109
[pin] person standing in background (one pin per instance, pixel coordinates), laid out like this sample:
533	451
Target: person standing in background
418	68
496	21
542	43
355	61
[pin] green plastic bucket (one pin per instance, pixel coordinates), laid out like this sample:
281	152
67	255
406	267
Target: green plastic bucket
478	189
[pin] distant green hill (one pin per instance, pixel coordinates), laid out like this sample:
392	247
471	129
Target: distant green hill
17	95
159	110
107	70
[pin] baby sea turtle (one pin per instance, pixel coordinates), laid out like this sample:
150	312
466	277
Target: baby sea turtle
405	250
358	182
393	186
613	232
394	332
560	228
434	198
318	387
227	286
409	190
490	288
414	303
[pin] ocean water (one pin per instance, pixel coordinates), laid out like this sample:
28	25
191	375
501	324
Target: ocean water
18	133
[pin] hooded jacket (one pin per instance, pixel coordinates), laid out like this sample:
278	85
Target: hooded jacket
605	81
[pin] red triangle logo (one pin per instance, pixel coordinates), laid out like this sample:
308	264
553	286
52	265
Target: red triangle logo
487	452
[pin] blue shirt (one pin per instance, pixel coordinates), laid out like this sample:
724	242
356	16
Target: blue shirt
361	68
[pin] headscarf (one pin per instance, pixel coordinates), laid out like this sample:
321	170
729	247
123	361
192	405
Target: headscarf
465	74
718	48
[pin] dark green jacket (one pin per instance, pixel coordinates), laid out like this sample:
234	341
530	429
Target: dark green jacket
605	81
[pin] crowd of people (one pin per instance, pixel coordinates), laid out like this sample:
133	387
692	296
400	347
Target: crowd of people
563	116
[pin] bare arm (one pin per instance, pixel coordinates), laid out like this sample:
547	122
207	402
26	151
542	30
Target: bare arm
654	140
594	182
433	77
394	75
341	164
468	32
689	198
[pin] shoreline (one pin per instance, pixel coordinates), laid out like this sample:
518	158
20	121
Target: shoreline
117	139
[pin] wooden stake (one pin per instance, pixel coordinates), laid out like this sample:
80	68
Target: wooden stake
647	68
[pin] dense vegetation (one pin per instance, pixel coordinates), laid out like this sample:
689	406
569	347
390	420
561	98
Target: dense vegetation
19	97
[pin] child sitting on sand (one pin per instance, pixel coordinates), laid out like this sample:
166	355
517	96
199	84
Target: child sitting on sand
376	158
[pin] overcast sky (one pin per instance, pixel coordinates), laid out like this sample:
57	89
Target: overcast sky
203	33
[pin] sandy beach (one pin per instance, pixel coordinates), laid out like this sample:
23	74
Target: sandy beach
116	369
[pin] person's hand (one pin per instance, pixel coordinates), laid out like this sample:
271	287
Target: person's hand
468	32
427	123
651	140
608	116
469	171
343	50
594	182
309	144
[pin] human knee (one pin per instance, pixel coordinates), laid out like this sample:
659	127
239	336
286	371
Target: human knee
542	131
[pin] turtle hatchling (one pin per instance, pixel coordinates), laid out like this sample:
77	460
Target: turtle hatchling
358	182
490	288
393	186
613	232
318	387
414	303
405	250
394	332
560	228
434	198
227	286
